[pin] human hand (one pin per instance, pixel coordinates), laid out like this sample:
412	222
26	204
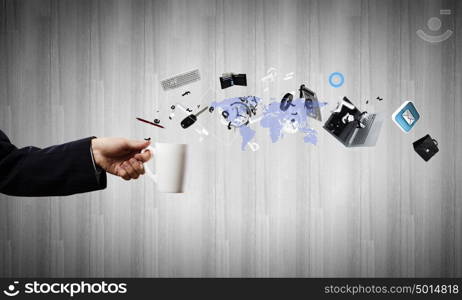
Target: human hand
120	156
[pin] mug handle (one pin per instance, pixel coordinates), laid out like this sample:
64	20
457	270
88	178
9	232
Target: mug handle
151	174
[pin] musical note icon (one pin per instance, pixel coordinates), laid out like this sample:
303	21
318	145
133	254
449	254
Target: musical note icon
272	74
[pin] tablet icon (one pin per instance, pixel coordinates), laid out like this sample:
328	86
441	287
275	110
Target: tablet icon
10	292
434	24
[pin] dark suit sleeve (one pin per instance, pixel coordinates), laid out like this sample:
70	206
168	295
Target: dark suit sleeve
55	171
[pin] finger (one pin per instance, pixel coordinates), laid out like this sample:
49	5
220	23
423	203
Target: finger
130	170
138	166
143	157
137	145
122	173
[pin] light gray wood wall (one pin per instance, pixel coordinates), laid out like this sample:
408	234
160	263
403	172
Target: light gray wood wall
71	69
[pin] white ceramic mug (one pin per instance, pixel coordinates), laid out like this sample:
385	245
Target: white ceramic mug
169	166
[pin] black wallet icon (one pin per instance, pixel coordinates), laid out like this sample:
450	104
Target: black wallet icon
231	79
426	147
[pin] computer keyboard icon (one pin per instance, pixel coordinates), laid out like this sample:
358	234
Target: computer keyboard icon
180	80
406	116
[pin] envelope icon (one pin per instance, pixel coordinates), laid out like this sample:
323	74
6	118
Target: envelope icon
408	117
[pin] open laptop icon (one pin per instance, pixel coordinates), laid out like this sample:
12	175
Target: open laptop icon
352	127
406	116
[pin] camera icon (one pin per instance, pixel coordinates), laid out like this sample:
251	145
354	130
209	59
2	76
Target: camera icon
11	290
434	24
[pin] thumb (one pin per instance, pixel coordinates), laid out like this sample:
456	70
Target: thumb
137	145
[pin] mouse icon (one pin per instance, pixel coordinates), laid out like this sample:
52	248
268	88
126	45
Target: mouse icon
434	24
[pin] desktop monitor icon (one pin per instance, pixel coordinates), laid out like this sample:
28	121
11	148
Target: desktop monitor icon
406	116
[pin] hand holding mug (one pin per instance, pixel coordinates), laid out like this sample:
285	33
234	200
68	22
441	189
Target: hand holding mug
120	156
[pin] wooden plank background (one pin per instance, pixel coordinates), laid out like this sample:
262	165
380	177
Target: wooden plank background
71	69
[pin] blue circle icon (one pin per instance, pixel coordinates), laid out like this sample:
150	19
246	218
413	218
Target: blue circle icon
336	79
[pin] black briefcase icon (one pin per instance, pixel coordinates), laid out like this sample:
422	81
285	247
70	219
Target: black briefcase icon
426	147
